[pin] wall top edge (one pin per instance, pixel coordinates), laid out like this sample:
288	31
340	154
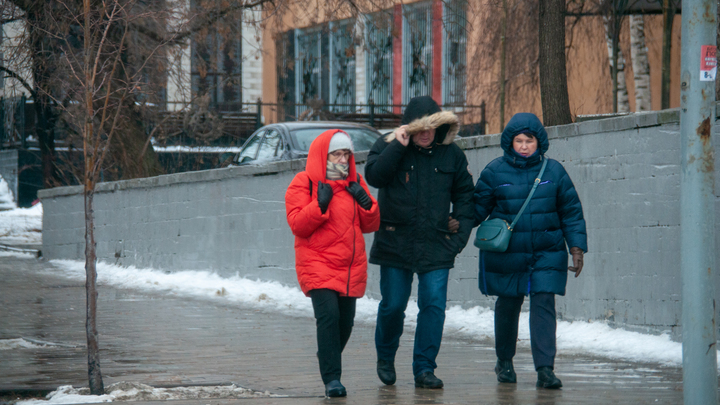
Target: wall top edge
187	177
613	124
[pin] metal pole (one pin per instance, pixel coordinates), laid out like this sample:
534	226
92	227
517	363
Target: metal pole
697	207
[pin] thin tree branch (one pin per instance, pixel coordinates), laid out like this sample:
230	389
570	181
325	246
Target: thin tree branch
20	79
177	38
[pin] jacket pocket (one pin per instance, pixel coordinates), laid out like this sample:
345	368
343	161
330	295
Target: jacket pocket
448	242
394	241
443	178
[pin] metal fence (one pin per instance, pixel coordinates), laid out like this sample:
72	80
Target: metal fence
15	122
240	120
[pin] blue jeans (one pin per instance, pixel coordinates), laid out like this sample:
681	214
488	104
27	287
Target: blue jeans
395	287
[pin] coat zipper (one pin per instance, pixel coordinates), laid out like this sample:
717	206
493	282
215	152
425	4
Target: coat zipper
352	259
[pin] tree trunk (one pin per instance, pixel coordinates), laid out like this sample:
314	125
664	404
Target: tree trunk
641	67
668	17
45	134
94	375
553	74
503	50
621	102
91	171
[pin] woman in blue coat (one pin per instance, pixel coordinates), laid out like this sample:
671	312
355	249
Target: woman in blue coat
536	260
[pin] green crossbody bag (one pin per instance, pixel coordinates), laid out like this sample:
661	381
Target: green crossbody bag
494	234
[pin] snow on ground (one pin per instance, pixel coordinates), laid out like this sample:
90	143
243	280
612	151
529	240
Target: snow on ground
21	225
588	338
10	344
18	225
123	391
7	202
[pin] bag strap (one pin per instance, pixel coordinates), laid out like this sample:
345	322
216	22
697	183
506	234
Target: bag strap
527	200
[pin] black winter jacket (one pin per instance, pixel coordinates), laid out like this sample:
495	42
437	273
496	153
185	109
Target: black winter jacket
416	190
536	259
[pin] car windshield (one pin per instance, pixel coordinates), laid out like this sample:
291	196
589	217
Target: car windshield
363	139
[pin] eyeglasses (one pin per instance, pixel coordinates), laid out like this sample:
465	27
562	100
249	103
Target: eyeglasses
340	153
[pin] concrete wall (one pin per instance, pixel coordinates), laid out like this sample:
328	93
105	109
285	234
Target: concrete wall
232	220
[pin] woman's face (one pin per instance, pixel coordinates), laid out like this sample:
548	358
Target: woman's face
525	145
425	138
340	156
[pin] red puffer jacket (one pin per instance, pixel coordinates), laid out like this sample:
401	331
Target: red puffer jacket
329	248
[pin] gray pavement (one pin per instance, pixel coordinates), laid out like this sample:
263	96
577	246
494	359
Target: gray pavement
165	340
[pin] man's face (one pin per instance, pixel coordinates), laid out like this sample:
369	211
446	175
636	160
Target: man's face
425	138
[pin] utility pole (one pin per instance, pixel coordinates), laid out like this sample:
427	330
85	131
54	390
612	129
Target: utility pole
697	201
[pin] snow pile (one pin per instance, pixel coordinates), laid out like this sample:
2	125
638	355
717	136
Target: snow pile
7	202
588	338
123	391
21	225
11	344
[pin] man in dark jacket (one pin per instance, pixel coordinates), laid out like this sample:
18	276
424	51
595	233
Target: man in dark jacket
421	175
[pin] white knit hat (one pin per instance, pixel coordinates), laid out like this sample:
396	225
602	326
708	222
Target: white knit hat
340	140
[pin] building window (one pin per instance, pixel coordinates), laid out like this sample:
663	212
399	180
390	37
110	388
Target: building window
342	65
379	57
216	61
417	50
308	66
455	52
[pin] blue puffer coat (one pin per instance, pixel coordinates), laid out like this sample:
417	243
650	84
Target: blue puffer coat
536	259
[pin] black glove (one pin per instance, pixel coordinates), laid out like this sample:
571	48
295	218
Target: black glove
324	194
359	194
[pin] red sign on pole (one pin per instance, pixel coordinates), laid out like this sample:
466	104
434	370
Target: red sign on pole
708	63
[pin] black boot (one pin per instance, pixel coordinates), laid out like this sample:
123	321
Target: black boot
428	380
335	389
547	379
505	371
386	371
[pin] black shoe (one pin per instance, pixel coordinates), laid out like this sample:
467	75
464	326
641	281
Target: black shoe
335	389
547	379
505	371
428	380
386	371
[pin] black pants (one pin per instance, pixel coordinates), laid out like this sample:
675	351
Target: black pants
335	316
542	327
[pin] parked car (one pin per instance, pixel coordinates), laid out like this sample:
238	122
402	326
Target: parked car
291	140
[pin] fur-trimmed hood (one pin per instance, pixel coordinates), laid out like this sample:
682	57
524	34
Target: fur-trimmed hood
435	120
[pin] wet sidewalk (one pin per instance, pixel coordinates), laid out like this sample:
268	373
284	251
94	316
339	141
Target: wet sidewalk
165	340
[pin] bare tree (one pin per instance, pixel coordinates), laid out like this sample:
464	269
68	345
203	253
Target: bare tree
95	69
503	57
505	79
553	72
641	67
669	8
164	26
613	25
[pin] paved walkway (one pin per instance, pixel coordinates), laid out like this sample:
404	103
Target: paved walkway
163	340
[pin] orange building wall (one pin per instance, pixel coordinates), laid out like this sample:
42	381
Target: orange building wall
588	69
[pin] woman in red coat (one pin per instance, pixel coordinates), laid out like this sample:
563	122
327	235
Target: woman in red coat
329	207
